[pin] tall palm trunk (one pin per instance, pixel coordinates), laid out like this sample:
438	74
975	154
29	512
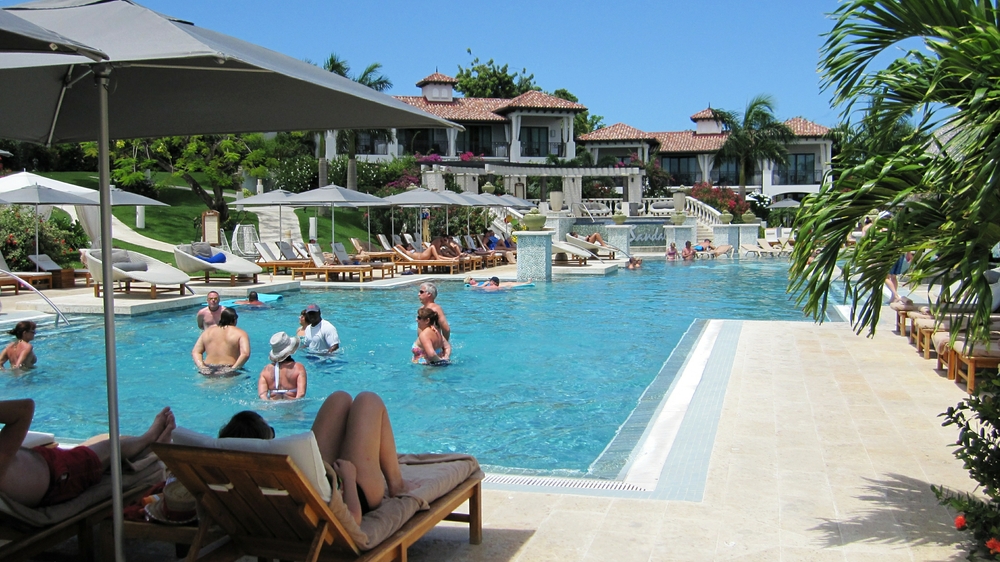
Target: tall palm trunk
352	161
743	182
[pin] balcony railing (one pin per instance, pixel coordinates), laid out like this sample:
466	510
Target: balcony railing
797	177
541	150
733	178
684	178
494	150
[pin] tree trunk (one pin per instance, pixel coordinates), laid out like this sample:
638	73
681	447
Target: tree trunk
352	161
743	182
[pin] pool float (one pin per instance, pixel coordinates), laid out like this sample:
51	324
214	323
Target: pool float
525	286
262	297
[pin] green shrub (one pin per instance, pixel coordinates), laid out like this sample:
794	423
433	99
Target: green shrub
59	238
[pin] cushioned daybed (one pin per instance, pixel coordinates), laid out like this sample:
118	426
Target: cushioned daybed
130	267
201	256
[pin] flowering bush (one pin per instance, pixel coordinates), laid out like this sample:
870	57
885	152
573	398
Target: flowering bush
722	199
429	159
469	157
977	419
58	237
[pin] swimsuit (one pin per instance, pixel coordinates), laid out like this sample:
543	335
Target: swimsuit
71	472
277	385
362	498
420	358
218	370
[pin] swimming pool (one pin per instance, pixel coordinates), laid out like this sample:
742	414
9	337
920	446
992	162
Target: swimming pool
541	381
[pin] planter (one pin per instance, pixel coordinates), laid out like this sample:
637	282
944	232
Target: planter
555	201
678	218
749	217
726	218
619	219
533	220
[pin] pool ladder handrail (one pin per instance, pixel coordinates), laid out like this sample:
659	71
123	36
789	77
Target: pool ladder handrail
27	285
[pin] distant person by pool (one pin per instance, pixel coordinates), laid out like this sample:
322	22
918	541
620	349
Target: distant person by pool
431	347
223	349
688	253
672	252
634	263
284	378
20	353
494	284
252	300
320	336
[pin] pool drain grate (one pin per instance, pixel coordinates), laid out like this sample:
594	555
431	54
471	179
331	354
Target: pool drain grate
549	482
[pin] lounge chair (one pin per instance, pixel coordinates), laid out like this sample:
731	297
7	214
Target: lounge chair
320	267
130	267
396	240
492	257
419	266
572	253
61	278
661	208
273	500
748	249
367	251
35	530
385	242
596	208
767	248
270	258
40	279
973	355
201	256
340	252
595	249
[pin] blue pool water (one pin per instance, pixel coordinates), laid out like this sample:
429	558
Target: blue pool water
541	378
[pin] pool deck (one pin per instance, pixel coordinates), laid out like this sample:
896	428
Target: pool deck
825	448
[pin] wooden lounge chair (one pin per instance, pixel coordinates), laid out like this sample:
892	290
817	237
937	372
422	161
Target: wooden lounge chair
340	252
275	505
320	267
268	259
35	530
419	266
40	279
367	252
385	243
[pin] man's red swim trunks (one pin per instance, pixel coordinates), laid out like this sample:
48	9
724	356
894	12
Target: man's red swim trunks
71	472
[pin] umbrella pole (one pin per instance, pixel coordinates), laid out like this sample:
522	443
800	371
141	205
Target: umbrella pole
37	220
333	224
102	73
369	213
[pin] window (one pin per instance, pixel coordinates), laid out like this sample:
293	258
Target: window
475	139
726	173
683	170
801	169
534	141
424	141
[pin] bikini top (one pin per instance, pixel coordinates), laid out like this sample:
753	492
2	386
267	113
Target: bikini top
277	383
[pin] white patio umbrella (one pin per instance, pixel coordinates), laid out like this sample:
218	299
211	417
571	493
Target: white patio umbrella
40	195
418	198
516	202
20	35
167	77
274	198
336	196
122	198
785	204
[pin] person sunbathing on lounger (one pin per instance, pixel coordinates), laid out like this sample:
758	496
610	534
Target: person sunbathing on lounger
49	475
594	238
21	353
426	255
355	438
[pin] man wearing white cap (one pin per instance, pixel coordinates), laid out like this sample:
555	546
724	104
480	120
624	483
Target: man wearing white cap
284	378
320	336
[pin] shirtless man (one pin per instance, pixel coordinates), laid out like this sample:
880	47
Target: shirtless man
50	475
252	300
427	293
209	316
290	374
225	347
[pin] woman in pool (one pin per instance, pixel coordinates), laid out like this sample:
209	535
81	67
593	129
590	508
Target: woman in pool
430	348
355	438
21	353
672	251
284	378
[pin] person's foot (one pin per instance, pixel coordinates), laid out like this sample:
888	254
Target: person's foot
163	426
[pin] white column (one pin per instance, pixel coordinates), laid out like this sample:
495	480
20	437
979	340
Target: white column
331	145
573	193
452	138
765	177
515	138
394	144
570	139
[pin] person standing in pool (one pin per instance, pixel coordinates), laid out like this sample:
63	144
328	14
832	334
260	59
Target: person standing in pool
431	347
225	347
21	353
320	336
251	300
688	253
427	293
284	378
209	316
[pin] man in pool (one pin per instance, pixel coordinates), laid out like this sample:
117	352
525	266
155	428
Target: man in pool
494	284
320	336
251	300
223	349
45	476
427	293
209	316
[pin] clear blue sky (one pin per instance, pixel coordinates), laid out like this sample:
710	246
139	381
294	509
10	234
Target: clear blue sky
648	66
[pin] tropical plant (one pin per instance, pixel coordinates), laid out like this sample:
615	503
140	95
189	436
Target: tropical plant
722	199
347	140
944	193
489	80
754	136
59	237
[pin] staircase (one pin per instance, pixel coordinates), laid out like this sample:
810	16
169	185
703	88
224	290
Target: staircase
706	217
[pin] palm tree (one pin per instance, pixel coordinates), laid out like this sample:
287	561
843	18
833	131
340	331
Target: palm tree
753	137
944	193
348	139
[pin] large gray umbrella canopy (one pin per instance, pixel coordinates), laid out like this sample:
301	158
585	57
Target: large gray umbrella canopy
122	198
336	196
169	77
40	195
20	35
516	202
274	198
785	204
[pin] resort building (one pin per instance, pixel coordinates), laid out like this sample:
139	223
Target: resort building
688	156
526	129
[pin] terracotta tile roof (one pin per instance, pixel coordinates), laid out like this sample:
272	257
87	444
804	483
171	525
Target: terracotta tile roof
805	128
437	78
534	99
460	109
616	132
703	114
688	141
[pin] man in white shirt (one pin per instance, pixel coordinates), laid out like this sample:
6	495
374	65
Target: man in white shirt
320	336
